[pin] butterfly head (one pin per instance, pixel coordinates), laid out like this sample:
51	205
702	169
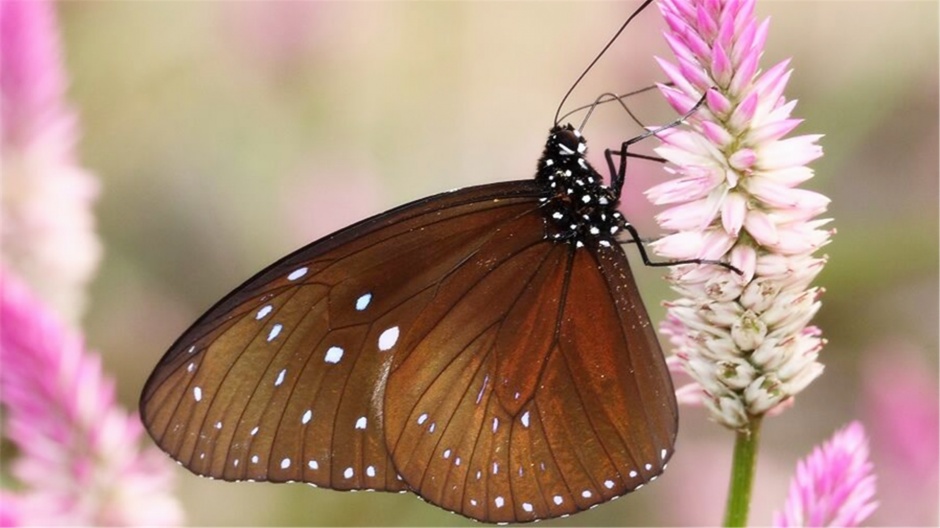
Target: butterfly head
579	209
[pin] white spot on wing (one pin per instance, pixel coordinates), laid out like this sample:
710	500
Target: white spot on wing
275	331
308	415
285	463
254	431
361	422
312	464
423	418
525	419
297	273
495	424
280	377
662	454
191	367
500	502
527	507
348	473
197	393
486	379
633	474
388	338
218	425
370	471
254	459
586	494
363	302
609	484
334	354
557	499
648	466
263	312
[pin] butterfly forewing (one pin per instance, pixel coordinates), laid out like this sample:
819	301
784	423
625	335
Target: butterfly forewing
284	379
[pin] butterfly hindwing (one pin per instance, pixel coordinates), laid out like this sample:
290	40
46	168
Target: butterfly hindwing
284	379
554	385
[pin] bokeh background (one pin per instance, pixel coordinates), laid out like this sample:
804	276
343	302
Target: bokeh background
226	134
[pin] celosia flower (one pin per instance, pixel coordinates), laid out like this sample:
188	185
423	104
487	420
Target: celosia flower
834	485
80	461
744	339
48	233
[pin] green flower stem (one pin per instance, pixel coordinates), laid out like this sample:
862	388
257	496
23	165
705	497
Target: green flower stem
742	474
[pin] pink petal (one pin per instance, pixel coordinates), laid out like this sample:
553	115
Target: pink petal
761	227
705	25
721	68
679	246
687	216
733	212
743	159
771	131
717	134
744	258
681	102
718	103
790	152
675	75
745	72
744	112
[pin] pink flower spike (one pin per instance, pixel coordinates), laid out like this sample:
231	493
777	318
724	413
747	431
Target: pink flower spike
80	460
834	485
48	233
735	160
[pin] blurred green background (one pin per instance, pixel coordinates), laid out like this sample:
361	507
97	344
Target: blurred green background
227	134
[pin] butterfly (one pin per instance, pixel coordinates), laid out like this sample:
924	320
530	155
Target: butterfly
486	349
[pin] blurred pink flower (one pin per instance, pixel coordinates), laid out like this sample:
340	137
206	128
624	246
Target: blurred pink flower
47	225
744	340
79	459
900	402
834	485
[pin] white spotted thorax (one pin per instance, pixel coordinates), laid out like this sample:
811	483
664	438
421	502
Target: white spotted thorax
581	210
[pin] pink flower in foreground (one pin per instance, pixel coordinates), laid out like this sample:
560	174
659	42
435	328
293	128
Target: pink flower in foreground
80	460
744	340
834	485
47	225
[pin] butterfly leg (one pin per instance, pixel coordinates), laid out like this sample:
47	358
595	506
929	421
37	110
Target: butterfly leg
618	172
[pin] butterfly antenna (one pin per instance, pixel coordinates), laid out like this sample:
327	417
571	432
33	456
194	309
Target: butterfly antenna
598	57
601	100
608	98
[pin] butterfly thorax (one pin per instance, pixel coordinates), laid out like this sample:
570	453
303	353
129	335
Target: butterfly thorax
580	209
